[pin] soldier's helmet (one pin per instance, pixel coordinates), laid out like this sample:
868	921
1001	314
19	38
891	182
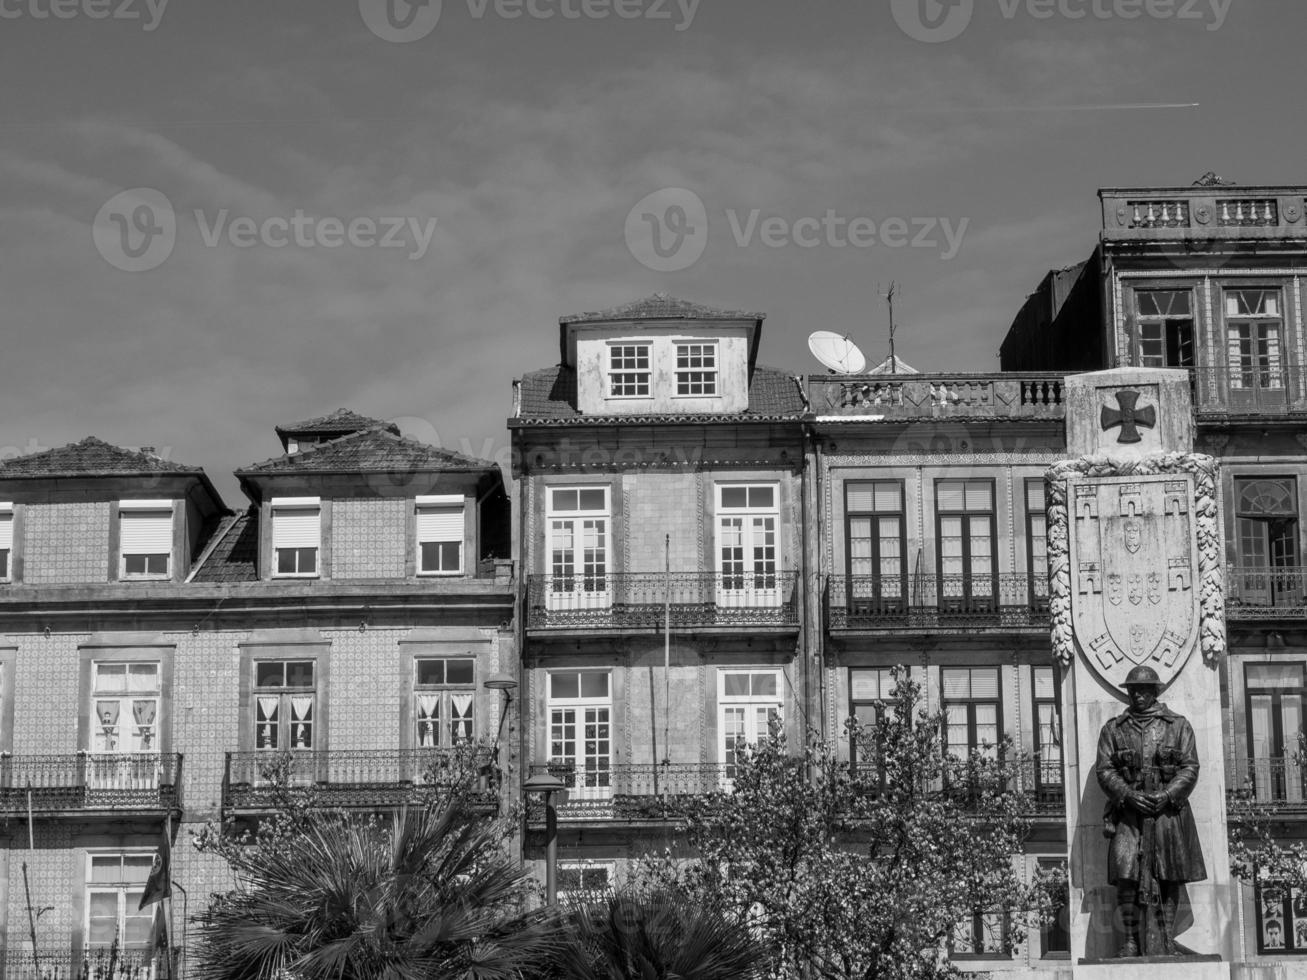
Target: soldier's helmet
1142	676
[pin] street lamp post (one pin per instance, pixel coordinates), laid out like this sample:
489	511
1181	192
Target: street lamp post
549	786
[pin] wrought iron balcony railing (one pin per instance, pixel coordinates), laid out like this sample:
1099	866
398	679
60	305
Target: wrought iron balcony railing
638	600
1265	592
632	791
1257	388
365	778
1039	779
1280	782
93	963
935	602
89	781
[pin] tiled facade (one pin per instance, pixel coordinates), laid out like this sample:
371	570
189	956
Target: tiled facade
66	542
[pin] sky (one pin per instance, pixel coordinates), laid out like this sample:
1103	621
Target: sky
221	215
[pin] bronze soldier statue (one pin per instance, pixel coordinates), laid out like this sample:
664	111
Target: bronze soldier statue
1148	766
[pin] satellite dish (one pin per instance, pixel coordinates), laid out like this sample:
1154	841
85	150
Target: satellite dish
836	352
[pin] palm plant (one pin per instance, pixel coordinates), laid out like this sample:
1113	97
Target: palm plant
431	896
657	934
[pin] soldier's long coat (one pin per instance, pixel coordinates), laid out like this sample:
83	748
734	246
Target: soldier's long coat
1128	747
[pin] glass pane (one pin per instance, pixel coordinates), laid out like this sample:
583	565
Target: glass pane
984	683
956	684
460	671
142	678
565	685
980	495
563	500
735	497
136	867
299	673
108	868
1035	495
431	672
110	678
762	498
269	673
594	684
593	499
763	685
735	685
1275	676
1044	683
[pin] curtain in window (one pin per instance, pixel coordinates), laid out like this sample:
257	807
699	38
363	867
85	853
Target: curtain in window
428	719
107	714
461	716
143	713
266	727
301	717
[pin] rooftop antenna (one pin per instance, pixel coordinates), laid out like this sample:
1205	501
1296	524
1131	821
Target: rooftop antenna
890	294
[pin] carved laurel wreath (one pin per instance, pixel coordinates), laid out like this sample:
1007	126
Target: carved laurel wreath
1207	524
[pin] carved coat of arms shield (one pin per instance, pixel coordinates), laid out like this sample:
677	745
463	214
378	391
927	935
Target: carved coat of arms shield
1134	573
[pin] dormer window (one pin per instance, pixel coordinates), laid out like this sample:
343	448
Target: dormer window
145	539
628	371
296	536
696	369
6	540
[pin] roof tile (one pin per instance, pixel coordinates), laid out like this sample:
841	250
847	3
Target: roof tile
235	553
371	451
660	306
91	457
341	422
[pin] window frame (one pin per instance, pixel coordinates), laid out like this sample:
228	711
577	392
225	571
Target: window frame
878	706
1255	377
159	509
968	599
978	932
632	374
971	701
440	502
609	868
285	504
1164	322
577	589
1043	787
1250	691
9	517
285	721
123	698
708	375
757	583
584	783
878	600
121	888
1046	930
1038	599
443	727
774	704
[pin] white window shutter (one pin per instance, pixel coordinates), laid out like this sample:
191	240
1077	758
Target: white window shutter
296	527
145	532
6	528
440	523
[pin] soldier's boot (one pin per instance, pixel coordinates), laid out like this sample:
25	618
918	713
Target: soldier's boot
1129	921
1170	905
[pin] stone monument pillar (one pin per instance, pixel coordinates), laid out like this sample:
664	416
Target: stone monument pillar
1135	560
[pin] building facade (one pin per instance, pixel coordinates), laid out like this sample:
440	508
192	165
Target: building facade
162	658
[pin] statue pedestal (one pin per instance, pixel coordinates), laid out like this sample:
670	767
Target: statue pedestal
1155	968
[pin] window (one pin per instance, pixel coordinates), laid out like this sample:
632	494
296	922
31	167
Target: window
1166	328
114	886
440	535
580	730
1281	918
696	369
1266	511
877	558
578	547
296	536
965	516
628	371
1274	693
748	702
1254	330
746	545
144	538
971	710
285	696
1048	738
982	935
579	879
6	541
443	700
871	692
124	742
1037	543
1055	936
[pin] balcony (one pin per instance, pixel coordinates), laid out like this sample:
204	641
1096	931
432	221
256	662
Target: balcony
1202	213
1040	779
936	396
636	792
75	785
936	603
96	963
1253	593
1280	783
1266	389
639	601
368	778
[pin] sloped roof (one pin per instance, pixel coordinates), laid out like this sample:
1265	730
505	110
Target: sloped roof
660	306
550	396
372	451
341	422
232	553
90	457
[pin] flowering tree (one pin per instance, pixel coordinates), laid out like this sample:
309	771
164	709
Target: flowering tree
870	873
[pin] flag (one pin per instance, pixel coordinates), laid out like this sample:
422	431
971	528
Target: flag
159	885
